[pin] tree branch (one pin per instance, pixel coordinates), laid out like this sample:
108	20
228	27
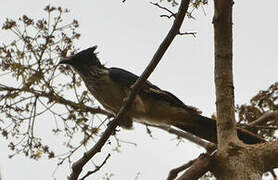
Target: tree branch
78	165
166	9
210	147
195	139
267	153
58	99
174	172
188	33
268	116
97	168
199	167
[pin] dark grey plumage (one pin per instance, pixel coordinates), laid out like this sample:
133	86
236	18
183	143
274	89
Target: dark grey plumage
152	105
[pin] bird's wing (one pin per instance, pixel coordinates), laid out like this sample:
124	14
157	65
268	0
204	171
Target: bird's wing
126	79
123	77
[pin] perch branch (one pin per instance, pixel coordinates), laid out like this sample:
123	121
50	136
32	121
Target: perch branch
78	165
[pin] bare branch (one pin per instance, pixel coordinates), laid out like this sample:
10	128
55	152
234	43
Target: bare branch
78	165
97	168
268	116
210	147
174	172
195	139
199	167
166	9
188	33
259	126
58	99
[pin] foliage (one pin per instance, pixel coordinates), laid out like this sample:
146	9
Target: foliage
33	87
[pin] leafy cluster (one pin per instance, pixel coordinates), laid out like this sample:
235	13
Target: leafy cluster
32	85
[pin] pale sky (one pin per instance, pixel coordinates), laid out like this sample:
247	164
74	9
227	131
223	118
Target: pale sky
127	36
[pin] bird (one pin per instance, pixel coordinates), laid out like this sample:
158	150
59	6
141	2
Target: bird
152	105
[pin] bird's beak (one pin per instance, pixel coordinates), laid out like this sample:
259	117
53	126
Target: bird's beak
67	60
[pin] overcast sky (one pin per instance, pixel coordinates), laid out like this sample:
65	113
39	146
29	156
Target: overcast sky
127	36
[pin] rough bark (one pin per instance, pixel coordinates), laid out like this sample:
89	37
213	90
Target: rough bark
198	168
223	44
237	163
266	154
232	160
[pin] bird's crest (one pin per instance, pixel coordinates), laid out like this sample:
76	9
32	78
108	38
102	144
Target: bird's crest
88	56
88	52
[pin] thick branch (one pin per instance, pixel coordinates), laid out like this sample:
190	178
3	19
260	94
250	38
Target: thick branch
174	172
200	166
78	165
268	153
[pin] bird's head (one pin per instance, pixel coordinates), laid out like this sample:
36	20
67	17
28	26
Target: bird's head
85	58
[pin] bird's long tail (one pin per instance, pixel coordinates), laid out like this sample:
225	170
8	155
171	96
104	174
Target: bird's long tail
205	128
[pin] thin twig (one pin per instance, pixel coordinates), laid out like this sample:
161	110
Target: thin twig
188	33
195	139
78	165
58	99
166	9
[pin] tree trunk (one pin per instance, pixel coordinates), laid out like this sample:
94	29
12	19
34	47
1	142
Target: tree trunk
223	44
232	161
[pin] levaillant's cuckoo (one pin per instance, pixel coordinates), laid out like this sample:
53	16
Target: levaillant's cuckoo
152	105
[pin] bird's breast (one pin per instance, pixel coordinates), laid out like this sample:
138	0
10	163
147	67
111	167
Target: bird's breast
109	94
